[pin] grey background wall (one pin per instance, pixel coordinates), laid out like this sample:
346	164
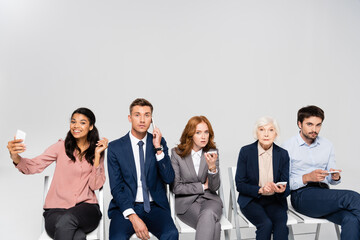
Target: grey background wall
232	61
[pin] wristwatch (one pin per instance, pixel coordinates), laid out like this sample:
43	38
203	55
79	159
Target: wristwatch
158	149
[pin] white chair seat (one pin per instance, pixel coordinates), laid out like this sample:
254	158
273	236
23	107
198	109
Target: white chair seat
226	226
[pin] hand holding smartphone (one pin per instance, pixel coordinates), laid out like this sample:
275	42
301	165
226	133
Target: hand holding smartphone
212	152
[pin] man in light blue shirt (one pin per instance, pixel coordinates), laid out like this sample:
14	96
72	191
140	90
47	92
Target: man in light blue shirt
312	169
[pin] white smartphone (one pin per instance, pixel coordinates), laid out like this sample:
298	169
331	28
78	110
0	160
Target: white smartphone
281	183
330	172
153	123
20	135
212	152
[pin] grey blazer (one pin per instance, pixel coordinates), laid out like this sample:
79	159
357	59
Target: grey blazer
187	186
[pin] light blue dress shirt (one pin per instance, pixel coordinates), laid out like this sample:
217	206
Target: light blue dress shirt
306	158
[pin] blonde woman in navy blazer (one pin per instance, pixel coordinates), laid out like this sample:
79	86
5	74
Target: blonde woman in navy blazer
260	166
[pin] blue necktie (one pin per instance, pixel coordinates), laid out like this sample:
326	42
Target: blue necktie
143	178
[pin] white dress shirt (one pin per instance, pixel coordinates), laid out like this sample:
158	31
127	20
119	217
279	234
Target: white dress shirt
196	157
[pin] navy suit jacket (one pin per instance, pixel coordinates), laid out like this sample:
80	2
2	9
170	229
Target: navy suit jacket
247	173
122	174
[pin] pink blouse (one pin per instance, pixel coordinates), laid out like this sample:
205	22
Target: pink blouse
72	183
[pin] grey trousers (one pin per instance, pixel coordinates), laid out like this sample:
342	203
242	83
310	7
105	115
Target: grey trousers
204	216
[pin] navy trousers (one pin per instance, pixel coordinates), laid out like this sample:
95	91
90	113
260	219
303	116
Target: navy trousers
269	216
338	206
158	221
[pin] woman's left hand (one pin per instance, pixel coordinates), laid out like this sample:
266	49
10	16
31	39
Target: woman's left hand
101	145
211	159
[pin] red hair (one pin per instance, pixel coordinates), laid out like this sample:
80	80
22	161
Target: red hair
186	139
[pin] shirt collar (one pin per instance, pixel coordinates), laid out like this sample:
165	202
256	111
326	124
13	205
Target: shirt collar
198	153
302	142
135	140
261	151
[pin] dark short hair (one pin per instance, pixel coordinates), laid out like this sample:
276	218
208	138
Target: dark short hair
140	102
310	111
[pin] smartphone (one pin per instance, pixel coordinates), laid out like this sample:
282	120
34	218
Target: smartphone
20	135
153	123
212	152
280	183
330	172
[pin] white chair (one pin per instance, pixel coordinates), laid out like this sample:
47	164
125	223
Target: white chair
226	226
309	220
236	213
97	234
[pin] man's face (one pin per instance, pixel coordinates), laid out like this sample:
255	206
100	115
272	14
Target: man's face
140	119
310	128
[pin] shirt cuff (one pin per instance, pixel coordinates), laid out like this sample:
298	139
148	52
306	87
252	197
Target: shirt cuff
160	156
210	172
128	212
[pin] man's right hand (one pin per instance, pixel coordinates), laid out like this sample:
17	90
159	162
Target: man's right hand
139	226
317	175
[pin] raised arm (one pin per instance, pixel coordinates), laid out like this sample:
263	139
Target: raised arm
164	165
97	178
33	165
214	175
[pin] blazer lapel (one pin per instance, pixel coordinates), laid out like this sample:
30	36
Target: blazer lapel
202	168
130	156
275	159
255	161
149	153
190	164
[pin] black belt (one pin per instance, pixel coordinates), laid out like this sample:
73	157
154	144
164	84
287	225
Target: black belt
317	184
313	184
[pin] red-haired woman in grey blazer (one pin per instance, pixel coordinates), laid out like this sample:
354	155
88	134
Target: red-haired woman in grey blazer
196	165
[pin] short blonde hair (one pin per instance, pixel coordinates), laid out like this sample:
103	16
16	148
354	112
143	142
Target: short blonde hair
264	121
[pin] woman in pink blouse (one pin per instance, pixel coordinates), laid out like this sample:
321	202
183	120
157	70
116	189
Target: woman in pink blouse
71	209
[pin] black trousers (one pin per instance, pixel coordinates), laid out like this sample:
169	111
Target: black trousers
72	223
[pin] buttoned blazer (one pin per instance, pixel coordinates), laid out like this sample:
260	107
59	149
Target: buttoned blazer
123	178
187	185
247	173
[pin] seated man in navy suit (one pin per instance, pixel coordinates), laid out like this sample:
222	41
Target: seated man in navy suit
139	169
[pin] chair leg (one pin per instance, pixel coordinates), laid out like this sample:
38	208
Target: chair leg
227	235
291	233
317	234
337	229
233	205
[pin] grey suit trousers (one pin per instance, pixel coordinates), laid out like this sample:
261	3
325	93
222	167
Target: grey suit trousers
204	216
